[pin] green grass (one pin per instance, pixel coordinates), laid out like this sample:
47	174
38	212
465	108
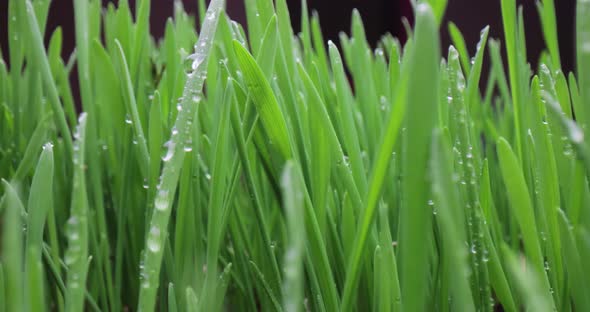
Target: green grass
269	170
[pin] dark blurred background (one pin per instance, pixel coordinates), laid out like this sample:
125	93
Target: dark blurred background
380	16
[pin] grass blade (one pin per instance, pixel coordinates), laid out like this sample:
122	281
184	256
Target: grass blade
293	198
522	208
174	158
76	257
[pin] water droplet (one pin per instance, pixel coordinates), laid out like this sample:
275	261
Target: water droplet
576	133
170	145
345	161
383	103
146	184
162	200
188	146
197	59
153	242
485	258
128	119
48	146
207	176
179	107
473	249
70	257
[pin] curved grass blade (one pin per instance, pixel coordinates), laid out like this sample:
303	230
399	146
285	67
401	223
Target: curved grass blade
265	101
41	62
180	141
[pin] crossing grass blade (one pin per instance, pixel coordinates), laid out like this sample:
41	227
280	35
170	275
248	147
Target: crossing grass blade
266	103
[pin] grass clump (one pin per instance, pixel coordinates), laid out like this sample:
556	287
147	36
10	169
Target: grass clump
225	170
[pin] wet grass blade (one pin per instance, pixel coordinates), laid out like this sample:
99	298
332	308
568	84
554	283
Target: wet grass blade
293	259
450	219
132	109
522	208
77	231
181	139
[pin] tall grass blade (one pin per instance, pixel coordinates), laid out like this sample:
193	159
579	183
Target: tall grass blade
180	139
